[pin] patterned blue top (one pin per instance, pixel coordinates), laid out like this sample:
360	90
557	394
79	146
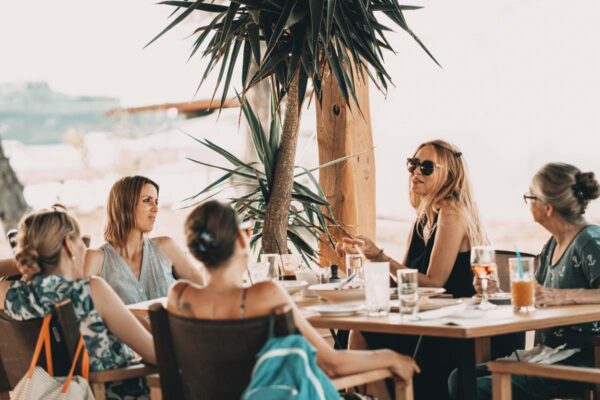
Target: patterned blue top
38	297
578	267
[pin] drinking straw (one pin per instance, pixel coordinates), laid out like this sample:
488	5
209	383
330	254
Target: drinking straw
519	262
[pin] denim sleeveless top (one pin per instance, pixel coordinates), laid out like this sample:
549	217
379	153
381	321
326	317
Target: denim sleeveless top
156	275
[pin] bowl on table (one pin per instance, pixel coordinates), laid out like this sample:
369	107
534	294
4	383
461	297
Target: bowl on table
332	293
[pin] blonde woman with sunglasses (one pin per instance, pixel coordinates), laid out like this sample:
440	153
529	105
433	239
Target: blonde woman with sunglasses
446	227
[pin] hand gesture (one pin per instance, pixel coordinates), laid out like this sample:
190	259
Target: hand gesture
549	297
404	368
358	245
492	284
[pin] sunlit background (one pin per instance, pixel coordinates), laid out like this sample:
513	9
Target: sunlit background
519	87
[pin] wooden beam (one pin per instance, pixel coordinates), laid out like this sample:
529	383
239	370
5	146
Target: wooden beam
182	108
349	186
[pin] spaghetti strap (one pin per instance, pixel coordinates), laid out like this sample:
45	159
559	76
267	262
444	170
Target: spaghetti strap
243	304
180	294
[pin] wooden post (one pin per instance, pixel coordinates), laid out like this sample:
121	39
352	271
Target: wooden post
349	186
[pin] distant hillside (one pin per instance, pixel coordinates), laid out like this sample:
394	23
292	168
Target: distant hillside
33	113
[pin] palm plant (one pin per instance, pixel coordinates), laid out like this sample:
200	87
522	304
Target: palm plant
304	40
310	214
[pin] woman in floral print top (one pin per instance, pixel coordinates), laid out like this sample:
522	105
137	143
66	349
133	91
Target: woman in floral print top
50	258
568	273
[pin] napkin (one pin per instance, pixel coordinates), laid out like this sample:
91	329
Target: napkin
442	312
541	354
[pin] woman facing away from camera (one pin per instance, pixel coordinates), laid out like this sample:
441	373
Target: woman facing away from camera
439	247
214	238
138	268
568	273
50	258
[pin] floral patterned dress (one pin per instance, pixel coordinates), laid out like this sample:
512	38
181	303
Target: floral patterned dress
37	298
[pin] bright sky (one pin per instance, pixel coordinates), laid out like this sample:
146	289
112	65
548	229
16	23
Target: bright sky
520	83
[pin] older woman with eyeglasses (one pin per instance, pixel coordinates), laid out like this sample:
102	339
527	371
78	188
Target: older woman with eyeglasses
569	273
439	246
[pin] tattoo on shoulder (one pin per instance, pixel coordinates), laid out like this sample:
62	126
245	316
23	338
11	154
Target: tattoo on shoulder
185	306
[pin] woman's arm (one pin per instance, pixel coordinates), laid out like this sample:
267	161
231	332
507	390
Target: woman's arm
94	258
8	267
341	362
557	297
450	234
184	268
120	321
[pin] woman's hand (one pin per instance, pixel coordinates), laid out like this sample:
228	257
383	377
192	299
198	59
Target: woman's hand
404	367
360	244
492	286
550	297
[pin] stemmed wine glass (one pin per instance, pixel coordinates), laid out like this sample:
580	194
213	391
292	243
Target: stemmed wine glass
483	264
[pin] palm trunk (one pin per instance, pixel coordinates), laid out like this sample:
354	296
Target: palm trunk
12	202
274	238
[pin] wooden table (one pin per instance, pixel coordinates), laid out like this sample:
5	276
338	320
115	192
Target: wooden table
140	310
473	335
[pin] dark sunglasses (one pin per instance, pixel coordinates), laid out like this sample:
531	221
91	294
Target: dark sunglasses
426	167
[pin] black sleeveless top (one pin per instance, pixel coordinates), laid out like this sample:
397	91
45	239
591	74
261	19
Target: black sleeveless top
460	281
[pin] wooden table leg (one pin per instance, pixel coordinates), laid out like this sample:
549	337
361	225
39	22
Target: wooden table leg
482	350
467	379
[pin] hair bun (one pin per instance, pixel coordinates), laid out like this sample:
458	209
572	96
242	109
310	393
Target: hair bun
587	184
27	262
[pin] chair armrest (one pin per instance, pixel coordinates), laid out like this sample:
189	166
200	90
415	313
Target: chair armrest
404	390
567	373
111	375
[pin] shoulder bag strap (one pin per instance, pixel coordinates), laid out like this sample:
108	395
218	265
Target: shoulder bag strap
85	364
43	338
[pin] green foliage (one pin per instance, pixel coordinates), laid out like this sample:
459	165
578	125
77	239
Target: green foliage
309	214
301	36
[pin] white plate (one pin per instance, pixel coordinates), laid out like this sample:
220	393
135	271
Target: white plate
293	287
329	292
337	310
430	291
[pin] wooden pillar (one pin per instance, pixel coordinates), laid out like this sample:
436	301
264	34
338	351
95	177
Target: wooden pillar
350	185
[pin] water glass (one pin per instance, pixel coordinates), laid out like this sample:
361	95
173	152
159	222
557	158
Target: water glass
522	284
408	294
354	265
258	272
274	263
377	288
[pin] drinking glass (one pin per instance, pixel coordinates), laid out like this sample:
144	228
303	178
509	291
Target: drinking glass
354	265
290	263
408	294
521	284
377	288
258	272
274	262
483	264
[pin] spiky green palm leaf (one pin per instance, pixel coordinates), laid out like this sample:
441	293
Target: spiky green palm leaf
307	37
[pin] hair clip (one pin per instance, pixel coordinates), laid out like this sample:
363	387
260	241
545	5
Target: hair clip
205	240
578	192
457	154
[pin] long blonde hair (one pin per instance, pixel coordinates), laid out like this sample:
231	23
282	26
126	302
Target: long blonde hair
40	240
120	210
453	189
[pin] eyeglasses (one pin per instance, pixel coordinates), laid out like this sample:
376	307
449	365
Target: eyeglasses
527	197
426	167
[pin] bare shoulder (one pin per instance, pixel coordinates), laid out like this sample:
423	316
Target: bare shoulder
269	294
176	291
94	258
451	215
167	246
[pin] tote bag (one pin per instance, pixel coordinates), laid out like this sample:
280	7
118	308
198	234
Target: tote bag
37	384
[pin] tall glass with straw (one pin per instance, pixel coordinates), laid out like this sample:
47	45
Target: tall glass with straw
521	282
483	265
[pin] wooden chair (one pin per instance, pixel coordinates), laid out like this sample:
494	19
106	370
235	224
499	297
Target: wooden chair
503	370
502	257
18	343
213	359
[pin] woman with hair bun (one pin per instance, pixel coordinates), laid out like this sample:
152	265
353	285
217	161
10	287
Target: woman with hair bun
569	273
50	257
214	238
138	268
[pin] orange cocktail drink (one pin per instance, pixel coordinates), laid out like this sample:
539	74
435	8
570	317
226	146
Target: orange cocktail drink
521	283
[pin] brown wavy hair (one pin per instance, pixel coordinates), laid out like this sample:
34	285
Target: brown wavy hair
452	188
120	210
40	240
